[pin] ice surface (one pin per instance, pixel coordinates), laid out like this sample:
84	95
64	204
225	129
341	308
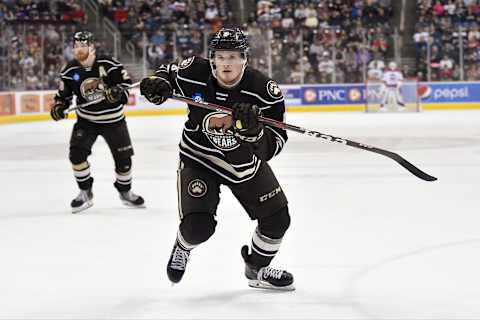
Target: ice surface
368	240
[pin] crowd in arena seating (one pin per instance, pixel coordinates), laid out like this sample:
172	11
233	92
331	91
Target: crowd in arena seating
173	29
328	40
310	41
444	26
34	41
322	38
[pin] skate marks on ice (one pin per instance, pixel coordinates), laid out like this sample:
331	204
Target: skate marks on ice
431	282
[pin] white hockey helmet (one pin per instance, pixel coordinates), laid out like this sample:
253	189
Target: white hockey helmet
392	65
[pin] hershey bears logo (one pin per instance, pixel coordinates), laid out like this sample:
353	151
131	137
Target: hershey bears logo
92	89
197	188
217	126
273	89
186	63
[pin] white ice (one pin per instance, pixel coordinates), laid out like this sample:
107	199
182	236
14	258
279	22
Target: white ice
368	240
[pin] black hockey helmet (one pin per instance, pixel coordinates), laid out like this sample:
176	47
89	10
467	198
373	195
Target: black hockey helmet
228	39
84	37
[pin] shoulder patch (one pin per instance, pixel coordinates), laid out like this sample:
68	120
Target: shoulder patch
274	90
186	63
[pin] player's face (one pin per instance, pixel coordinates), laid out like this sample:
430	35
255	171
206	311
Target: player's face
80	50
229	66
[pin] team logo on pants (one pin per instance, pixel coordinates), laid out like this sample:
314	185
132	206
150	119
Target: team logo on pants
197	188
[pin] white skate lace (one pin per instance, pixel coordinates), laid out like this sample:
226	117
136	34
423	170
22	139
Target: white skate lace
269	272
179	259
82	196
129	195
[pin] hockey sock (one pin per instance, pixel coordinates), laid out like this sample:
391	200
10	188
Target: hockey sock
123	181
82	175
183	243
264	249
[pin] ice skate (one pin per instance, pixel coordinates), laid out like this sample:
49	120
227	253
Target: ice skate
177	263
131	199
266	277
83	201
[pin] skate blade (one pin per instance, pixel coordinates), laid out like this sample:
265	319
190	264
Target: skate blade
131	205
265	285
83	207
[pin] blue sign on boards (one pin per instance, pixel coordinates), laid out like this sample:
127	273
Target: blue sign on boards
333	94
438	92
338	94
291	92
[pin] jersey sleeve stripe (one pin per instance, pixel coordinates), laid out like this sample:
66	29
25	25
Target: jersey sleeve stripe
261	99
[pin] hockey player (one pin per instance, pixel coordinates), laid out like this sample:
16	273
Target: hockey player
100	85
392	82
219	149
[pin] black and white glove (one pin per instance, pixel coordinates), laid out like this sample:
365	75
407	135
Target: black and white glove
58	111
246	126
156	89
114	94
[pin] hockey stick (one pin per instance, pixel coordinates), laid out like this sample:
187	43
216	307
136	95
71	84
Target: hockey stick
83	105
278	124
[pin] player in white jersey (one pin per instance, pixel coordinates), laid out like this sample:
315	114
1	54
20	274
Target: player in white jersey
391	93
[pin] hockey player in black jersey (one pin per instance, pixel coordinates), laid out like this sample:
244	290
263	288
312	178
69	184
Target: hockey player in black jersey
100	85
232	150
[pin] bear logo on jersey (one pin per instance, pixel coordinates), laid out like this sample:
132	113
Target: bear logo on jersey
273	89
186	63
92	89
217	126
197	188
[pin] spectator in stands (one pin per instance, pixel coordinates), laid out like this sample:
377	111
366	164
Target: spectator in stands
446	68
326	67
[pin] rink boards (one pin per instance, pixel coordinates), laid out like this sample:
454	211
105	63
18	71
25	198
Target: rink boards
35	105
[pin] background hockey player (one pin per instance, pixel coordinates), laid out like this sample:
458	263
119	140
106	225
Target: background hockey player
391	93
100	85
219	149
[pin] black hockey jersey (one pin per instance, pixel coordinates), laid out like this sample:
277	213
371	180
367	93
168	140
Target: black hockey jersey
88	85
202	141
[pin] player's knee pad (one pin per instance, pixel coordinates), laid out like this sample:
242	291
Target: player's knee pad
197	227
77	156
275	225
123	165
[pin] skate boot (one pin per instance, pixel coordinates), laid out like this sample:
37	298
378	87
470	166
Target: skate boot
177	263
83	201
266	277
130	199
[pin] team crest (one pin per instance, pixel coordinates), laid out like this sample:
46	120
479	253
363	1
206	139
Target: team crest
217	126
186	63
273	89
197	188
92	89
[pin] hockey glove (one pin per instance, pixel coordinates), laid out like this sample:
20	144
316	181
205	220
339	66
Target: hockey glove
245	122
156	89
58	111
114	94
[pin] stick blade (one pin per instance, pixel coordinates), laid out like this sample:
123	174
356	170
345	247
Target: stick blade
415	171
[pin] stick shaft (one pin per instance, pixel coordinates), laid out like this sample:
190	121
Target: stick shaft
282	125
